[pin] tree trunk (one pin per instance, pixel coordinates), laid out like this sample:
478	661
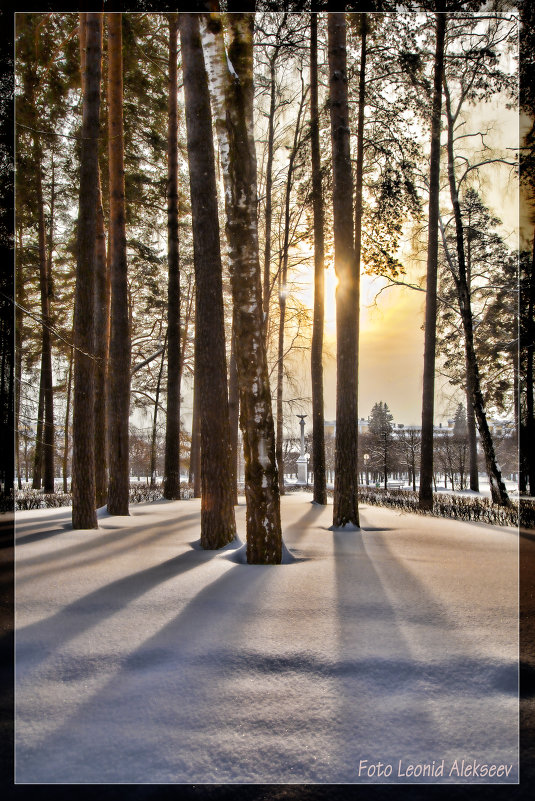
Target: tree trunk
44	451
195	453
218	526
189	305
37	476
316	353
18	360
233	106
102	326
497	487
472	445
18	387
65	461
280	377
425	500
46	353
470	416
7	392
155	425
102	341
234	414
360	145
269	185
345	503
171	489
528	445
83	473
119	364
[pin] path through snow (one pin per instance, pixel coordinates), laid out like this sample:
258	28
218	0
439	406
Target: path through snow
141	658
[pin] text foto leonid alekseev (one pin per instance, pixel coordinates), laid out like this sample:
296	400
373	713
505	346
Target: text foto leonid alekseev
459	768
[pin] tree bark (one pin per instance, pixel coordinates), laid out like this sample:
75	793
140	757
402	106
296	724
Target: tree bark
425	500
470	416
171	489
218	526
528	443
345	502
83	473
37	475
234	414
102	341
65	461
233	106
316	353
102	325
46	344
472	445
266	292
195	453
18	388
497	487
119	364
155	425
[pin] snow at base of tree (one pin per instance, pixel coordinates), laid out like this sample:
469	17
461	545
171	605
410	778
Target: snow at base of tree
141	658
345	527
239	555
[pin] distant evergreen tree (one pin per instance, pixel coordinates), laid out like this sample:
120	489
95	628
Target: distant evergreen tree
381	439
459	422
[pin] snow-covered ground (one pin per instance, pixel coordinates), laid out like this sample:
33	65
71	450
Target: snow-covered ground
141	658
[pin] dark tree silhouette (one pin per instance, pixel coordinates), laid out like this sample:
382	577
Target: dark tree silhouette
218	526
83	457
345	503
171	489
316	355
428	394
119	371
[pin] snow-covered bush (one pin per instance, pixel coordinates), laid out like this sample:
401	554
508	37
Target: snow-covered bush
456	507
35	499
139	493
144	493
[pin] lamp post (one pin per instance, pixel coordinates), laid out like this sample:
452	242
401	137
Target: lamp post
302	462
366	457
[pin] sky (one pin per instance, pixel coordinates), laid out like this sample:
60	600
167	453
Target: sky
390	353
391	335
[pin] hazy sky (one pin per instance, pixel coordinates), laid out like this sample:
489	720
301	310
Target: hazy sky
391	340
390	353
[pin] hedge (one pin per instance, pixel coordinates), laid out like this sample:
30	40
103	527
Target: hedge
139	493
457	507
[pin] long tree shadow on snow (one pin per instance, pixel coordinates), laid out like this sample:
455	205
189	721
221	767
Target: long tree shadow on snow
221	612
106	536
391	696
37	641
218	613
